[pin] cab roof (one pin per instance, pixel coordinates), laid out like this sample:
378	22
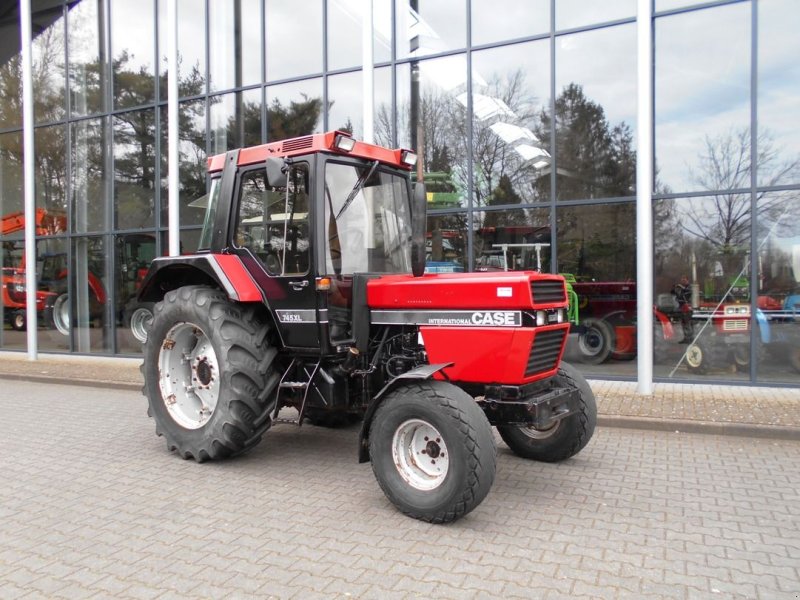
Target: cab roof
318	142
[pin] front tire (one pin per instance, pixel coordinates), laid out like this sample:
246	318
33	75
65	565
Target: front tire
209	374
698	358
432	451
566	437
18	320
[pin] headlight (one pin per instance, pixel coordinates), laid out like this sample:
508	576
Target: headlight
407	157
343	142
541	318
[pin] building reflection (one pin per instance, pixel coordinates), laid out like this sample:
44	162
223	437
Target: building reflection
526	138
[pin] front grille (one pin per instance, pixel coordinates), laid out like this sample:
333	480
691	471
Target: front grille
735	325
547	291
298	143
545	351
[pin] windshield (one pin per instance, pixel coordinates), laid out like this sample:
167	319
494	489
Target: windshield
371	233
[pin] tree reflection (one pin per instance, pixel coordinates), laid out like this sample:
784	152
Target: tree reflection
594	159
710	235
725	165
284	121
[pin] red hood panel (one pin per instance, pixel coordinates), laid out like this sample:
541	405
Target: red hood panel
459	290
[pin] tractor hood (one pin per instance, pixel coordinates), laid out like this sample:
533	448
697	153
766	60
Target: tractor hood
454	291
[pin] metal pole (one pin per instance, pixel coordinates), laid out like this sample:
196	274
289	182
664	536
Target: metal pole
30	198
644	198
172	130
368	81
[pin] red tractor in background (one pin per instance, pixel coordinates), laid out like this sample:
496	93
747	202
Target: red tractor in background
709	334
133	255
13	294
308	295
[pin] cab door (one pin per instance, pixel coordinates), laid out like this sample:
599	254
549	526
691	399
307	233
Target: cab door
273	236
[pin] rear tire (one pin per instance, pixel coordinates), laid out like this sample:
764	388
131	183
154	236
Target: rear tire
741	357
209	374
596	343
432	451
138	317
566	437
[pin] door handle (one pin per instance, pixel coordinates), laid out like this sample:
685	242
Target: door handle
298	285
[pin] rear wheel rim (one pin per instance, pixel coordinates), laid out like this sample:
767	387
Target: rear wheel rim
61	314
540	434
19	321
140	323
592	342
189	375
420	454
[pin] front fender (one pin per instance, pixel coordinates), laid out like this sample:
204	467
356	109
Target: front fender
421	372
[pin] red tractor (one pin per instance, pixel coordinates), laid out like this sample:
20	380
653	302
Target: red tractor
12	295
309	293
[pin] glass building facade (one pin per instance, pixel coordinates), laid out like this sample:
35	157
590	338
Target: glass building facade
524	114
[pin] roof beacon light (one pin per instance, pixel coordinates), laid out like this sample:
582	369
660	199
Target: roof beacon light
343	142
407	157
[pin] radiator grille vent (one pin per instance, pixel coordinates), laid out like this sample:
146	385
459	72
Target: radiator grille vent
735	325
545	292
300	143
545	350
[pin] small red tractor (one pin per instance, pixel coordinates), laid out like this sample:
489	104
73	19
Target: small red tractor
308	292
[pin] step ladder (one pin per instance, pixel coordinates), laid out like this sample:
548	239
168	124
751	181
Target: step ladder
295	386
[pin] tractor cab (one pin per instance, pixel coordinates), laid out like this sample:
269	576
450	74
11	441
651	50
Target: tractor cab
304	217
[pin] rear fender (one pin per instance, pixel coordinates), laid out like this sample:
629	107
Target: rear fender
224	271
421	372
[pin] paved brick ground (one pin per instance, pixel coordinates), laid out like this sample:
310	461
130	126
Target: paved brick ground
92	504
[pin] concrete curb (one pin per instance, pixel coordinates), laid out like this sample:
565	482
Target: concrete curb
775	432
92	383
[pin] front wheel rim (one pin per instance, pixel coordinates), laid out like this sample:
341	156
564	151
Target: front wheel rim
19	322
694	356
420	454
189	375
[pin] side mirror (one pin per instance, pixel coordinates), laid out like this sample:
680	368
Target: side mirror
419	225
276	172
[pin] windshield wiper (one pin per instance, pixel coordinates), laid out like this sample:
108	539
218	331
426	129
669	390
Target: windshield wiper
357	188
